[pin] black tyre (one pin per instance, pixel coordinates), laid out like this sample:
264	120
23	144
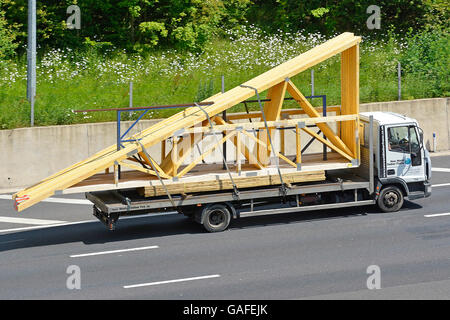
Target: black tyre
390	199
216	218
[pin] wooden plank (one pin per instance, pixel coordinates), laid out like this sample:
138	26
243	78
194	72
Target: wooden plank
205	172
224	126
251	136
326	142
284	112
272	110
350	95
298	145
238	152
204	154
152	163
174	160
225	184
287	160
134	167
116	173
244	149
163	150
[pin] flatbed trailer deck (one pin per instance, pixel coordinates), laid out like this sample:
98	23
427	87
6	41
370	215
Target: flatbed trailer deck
130	201
341	188
109	205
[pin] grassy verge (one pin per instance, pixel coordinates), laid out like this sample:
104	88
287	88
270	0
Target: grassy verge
70	80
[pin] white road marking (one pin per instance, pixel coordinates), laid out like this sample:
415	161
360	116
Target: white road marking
54	200
46	226
440	169
441	185
437	215
112	251
11	241
85	221
171	281
39	222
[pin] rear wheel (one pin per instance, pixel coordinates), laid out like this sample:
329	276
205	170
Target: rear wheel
390	199
216	218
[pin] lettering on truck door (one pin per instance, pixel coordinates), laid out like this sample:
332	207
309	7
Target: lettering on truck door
404	155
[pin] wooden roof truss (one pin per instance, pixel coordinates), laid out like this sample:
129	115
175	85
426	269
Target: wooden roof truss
191	126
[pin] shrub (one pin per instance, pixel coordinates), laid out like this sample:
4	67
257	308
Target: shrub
427	57
7	37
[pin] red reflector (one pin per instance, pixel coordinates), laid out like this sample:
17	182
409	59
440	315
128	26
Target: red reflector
19	200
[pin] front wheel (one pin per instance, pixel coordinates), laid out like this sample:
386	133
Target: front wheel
390	199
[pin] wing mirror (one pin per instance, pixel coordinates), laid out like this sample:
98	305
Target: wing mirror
421	137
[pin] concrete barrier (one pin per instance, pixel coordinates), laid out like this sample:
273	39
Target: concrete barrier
29	155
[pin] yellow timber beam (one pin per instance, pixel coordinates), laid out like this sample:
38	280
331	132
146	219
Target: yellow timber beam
272	110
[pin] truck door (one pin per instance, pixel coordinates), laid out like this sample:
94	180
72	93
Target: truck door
404	154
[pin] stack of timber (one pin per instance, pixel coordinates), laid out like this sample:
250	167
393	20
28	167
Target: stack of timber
196	123
213	183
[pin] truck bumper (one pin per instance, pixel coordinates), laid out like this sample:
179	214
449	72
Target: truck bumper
425	193
427	189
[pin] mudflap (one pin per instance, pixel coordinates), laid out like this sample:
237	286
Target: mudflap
108	219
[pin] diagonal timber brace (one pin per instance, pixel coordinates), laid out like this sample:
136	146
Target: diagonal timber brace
310	111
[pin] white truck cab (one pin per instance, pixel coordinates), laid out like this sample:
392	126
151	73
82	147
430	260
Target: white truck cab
401	161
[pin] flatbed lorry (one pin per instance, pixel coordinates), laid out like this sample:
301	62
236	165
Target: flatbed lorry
394	165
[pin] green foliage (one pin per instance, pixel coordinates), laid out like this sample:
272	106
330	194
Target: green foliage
330	17
427	57
71	80
129	24
204	90
437	14
7	35
176	50
146	25
319	12
153	31
96	45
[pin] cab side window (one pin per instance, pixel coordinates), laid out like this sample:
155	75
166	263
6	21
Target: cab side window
415	147
398	139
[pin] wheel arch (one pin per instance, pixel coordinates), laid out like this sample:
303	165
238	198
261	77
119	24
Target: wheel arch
398	182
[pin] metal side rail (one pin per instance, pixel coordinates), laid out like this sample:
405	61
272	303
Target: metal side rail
307	208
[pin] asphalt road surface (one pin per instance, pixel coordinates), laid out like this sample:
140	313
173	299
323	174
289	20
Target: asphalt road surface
49	250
